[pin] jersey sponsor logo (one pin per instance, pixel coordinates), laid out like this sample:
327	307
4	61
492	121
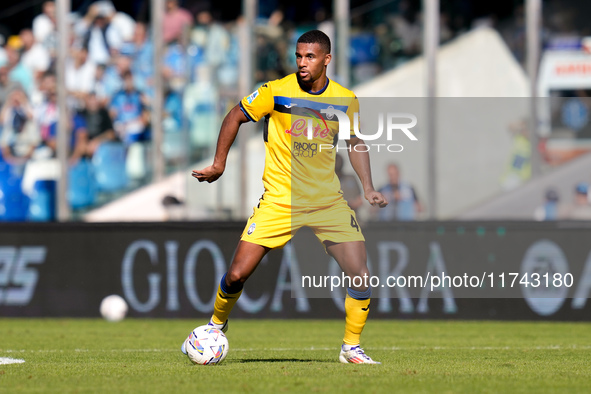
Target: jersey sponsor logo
253	96
300	126
330	115
289	105
305	149
251	229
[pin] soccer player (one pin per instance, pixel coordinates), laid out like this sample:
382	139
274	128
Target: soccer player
301	187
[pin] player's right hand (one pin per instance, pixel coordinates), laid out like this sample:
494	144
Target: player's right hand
208	174
376	199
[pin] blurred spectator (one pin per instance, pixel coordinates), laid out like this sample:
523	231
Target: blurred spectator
17	72
112	80
95	37
104	31
580	208
227	72
173	111
20	135
268	63
550	209
174	67
349	185
213	38
80	73
176	19
128	113
46	113
407	29
6	85
98	124
100	88
390	46
78	138
120	28
46	116
403	203
44	26
200	106
35	56
174	145
272	29
142	52
269	59
519	166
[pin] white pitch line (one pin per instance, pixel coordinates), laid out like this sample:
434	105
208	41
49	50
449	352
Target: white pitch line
294	349
8	360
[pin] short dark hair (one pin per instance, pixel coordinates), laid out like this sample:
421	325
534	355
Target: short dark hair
315	37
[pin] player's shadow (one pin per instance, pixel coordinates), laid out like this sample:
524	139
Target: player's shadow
282	360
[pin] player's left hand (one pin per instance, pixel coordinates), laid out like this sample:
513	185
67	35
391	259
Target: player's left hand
376	199
209	174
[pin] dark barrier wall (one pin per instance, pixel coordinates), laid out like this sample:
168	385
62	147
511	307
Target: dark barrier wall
172	270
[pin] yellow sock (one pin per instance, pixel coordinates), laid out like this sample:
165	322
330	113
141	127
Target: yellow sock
223	305
356	315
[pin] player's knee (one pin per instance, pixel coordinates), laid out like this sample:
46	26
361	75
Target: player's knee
236	277
360	279
362	273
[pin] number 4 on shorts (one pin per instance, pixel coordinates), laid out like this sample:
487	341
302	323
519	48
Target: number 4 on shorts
354	223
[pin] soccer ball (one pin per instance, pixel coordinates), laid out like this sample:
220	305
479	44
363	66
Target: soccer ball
113	308
206	345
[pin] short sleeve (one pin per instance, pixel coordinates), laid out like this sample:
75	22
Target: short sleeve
114	106
258	104
351	111
79	123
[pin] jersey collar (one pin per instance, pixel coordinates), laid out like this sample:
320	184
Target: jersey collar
314	93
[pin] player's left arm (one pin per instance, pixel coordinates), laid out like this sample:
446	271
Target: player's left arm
360	162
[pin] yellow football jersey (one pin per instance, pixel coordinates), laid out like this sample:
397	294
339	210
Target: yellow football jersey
299	170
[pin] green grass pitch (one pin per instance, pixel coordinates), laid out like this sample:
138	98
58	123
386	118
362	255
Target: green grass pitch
142	355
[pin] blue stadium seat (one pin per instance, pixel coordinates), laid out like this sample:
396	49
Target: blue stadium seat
109	167
364	49
42	203
136	163
13	202
81	185
174	144
4	169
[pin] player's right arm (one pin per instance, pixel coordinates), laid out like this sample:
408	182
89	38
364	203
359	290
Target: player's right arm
228	132
251	108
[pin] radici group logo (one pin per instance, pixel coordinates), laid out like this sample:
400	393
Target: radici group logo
389	125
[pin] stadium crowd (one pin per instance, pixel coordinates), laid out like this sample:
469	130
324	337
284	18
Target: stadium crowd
109	81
